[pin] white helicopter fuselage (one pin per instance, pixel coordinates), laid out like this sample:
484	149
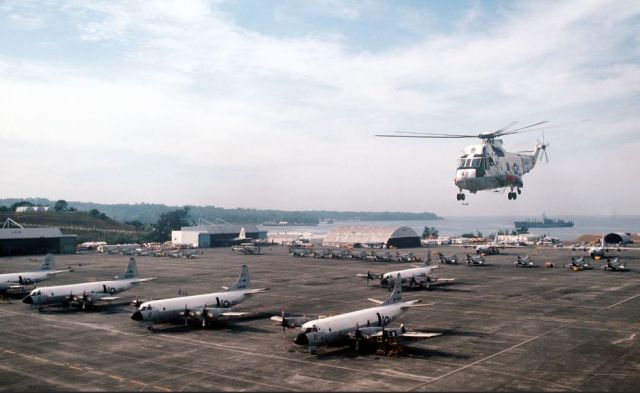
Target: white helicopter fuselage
487	166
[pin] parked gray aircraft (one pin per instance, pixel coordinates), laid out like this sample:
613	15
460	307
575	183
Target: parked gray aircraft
578	263
362	325
448	259
88	293
16	282
479	260
203	309
527	261
614	265
415	277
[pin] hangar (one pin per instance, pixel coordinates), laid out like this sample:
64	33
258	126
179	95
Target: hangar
373	236
22	241
214	235
617	238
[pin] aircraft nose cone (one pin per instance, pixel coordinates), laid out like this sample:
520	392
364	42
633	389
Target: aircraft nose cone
301	339
137	316
28	300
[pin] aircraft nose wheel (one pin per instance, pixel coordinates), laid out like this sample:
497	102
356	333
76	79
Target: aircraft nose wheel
460	196
512	195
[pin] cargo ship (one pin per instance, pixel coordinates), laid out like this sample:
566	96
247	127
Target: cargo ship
544	223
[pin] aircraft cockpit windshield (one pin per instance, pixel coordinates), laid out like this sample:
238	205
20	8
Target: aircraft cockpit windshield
469	161
311	329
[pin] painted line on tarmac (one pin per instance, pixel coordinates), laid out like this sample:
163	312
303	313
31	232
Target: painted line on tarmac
562	326
240	350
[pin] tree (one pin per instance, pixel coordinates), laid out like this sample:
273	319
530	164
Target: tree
171	220
429	232
61	205
94	213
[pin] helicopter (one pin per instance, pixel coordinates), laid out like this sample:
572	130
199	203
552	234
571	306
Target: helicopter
488	165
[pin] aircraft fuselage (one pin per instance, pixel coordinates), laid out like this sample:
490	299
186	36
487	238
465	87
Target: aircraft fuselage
165	310
335	329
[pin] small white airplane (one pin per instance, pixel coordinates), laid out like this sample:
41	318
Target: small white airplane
490	248
203	308
527	261
366	324
246	248
416	277
16	282
86	294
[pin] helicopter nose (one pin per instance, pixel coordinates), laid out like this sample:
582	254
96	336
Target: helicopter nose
28	299
137	316
301	339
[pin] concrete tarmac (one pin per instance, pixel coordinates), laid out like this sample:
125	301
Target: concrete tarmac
503	328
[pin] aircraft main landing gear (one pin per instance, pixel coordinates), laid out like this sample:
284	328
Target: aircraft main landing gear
460	196
512	195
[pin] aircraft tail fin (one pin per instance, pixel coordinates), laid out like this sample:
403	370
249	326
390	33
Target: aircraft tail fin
49	263
242	234
396	295
132	269
243	280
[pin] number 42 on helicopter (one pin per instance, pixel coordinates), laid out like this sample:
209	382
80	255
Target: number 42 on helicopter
488	165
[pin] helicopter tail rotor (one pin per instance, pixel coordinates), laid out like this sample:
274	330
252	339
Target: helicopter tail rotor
543	146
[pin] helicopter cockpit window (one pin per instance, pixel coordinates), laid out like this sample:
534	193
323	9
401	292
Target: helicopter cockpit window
476	163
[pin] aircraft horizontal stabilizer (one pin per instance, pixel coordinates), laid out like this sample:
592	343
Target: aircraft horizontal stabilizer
412	305
226	288
109	298
376	301
254	291
144	279
233	314
420	335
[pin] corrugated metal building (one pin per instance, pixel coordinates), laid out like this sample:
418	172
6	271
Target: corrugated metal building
391	236
215	235
21	241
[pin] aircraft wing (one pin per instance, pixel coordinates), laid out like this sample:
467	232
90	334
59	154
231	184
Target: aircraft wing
108	298
413	335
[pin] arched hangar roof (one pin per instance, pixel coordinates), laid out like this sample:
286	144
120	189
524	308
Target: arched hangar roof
617	237
369	235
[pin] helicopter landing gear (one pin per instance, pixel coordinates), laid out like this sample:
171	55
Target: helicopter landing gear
519	192
513	195
460	196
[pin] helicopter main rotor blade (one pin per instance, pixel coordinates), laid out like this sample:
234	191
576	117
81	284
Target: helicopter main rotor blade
416	135
521	130
506	127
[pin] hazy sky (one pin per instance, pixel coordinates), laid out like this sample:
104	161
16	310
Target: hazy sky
273	104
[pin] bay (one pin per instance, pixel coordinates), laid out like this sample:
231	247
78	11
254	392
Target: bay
457	225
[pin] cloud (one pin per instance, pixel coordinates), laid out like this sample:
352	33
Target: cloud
182	92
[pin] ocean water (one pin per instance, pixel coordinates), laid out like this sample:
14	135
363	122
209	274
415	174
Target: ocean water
458	225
